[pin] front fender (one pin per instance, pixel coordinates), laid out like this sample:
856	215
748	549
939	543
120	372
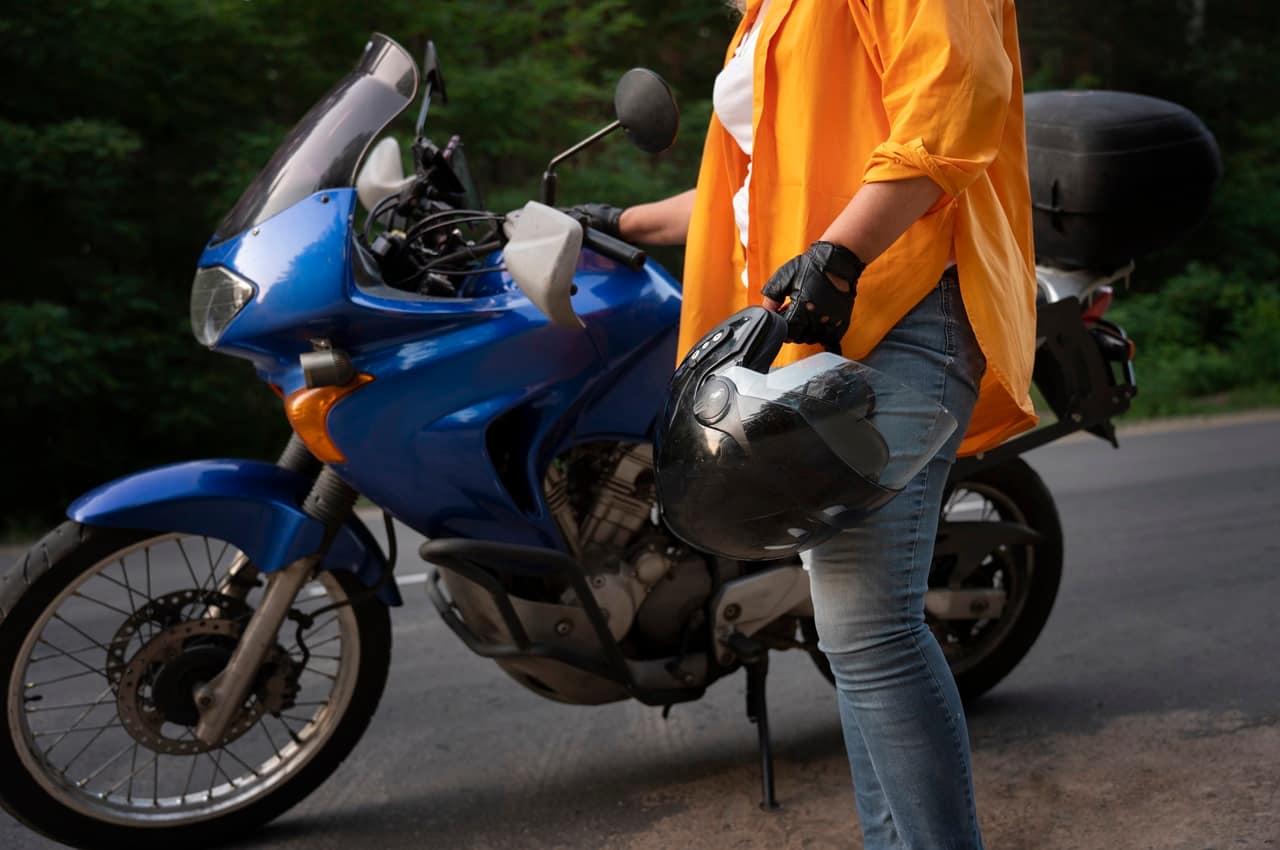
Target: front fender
250	504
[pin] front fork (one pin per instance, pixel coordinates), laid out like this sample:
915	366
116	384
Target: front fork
329	501
242	576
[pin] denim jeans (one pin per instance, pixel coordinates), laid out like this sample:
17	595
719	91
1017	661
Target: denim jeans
904	726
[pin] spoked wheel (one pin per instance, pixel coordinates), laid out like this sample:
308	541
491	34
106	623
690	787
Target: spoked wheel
104	637
983	650
1024	576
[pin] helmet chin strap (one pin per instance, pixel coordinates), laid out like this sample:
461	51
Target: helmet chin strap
766	342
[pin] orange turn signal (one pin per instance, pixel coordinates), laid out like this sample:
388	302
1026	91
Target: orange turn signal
308	414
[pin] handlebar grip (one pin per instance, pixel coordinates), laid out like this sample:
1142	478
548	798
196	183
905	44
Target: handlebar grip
615	249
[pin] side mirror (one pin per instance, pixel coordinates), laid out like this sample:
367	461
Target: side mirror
647	110
432	84
431	71
382	174
541	255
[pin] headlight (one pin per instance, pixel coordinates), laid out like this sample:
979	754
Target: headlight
217	296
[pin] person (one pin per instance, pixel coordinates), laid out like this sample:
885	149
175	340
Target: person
865	173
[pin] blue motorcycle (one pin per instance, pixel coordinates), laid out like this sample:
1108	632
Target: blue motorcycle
200	645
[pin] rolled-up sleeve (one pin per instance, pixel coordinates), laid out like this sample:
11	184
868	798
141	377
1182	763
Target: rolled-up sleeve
946	84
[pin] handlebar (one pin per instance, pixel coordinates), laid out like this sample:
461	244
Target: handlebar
615	249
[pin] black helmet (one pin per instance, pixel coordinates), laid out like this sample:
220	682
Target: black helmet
757	465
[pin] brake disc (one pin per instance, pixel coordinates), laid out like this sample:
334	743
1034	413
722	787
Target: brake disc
155	688
164	612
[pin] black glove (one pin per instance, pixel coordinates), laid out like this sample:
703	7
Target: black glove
601	217
818	311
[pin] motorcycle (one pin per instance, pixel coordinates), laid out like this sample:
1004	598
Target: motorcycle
200	645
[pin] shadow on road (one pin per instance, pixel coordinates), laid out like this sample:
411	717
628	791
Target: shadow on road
622	798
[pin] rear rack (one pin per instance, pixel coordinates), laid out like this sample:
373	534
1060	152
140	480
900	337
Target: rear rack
1075	372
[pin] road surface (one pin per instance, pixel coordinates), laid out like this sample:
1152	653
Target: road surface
1147	716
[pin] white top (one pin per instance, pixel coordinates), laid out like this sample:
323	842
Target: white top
732	99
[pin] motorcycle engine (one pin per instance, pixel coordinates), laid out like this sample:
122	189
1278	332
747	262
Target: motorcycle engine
650	587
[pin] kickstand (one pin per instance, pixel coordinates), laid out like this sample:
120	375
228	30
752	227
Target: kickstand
757	666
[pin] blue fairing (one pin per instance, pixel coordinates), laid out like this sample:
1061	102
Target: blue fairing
472	396
252	505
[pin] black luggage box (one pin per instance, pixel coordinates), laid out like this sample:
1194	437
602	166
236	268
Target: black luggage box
1114	175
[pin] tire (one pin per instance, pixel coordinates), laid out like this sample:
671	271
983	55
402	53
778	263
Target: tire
1019	495
58	569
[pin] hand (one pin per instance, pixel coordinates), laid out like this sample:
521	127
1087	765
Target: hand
821	284
602	217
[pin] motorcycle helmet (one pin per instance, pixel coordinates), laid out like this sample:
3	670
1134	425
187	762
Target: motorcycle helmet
754	464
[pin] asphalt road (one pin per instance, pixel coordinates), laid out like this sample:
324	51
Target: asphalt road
1147	716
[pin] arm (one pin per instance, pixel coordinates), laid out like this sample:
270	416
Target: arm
946	84
664	222
874	219
879	213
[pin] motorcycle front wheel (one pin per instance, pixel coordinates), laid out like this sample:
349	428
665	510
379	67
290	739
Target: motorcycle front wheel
105	634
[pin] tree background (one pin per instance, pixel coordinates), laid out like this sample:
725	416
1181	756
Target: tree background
130	126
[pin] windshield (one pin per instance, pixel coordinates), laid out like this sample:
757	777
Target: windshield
324	150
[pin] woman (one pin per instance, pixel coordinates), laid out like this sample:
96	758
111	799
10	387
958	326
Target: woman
885	135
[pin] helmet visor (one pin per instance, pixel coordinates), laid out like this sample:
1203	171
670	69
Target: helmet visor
881	428
758	466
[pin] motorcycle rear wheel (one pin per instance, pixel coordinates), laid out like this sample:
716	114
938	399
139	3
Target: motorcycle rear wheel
160	787
981	653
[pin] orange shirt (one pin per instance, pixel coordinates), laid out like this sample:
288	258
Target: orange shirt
857	91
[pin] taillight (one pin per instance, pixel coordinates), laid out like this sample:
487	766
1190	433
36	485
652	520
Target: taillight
1098	304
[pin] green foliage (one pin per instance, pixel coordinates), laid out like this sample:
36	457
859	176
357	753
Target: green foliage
1243	229
1205	334
1204	312
1219	59
130	126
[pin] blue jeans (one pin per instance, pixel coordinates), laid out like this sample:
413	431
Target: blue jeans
904	726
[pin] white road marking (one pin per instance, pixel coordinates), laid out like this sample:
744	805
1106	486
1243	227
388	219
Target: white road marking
314	590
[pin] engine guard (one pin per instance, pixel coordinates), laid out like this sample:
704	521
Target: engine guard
250	504
508	639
